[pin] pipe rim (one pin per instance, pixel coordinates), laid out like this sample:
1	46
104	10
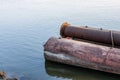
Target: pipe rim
62	29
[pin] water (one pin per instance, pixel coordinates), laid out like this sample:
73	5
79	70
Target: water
25	25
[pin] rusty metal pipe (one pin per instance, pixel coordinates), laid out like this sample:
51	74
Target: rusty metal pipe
91	34
83	54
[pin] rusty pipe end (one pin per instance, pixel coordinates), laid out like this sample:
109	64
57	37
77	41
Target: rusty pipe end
62	29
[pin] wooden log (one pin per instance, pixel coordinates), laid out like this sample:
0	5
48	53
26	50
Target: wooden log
83	54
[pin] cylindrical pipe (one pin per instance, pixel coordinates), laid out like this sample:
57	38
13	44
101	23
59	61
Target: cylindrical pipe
83	54
91	34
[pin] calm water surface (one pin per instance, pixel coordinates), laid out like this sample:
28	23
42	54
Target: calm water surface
25	25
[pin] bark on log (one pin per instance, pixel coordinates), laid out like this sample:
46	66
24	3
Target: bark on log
83	54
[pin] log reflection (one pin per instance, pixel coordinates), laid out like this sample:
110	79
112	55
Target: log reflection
76	73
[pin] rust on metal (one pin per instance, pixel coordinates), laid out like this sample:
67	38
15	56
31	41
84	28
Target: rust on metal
83	46
91	34
63	26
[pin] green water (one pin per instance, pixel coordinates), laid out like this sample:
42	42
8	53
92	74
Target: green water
76	73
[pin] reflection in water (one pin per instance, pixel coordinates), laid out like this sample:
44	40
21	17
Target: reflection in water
76	73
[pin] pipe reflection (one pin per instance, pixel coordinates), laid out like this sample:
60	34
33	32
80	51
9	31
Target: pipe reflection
76	73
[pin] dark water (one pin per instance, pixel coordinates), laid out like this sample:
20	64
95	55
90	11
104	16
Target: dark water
25	25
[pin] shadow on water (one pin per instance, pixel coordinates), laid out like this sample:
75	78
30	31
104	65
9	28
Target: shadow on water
76	73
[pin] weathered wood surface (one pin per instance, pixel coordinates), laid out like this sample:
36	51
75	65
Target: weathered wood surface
83	54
